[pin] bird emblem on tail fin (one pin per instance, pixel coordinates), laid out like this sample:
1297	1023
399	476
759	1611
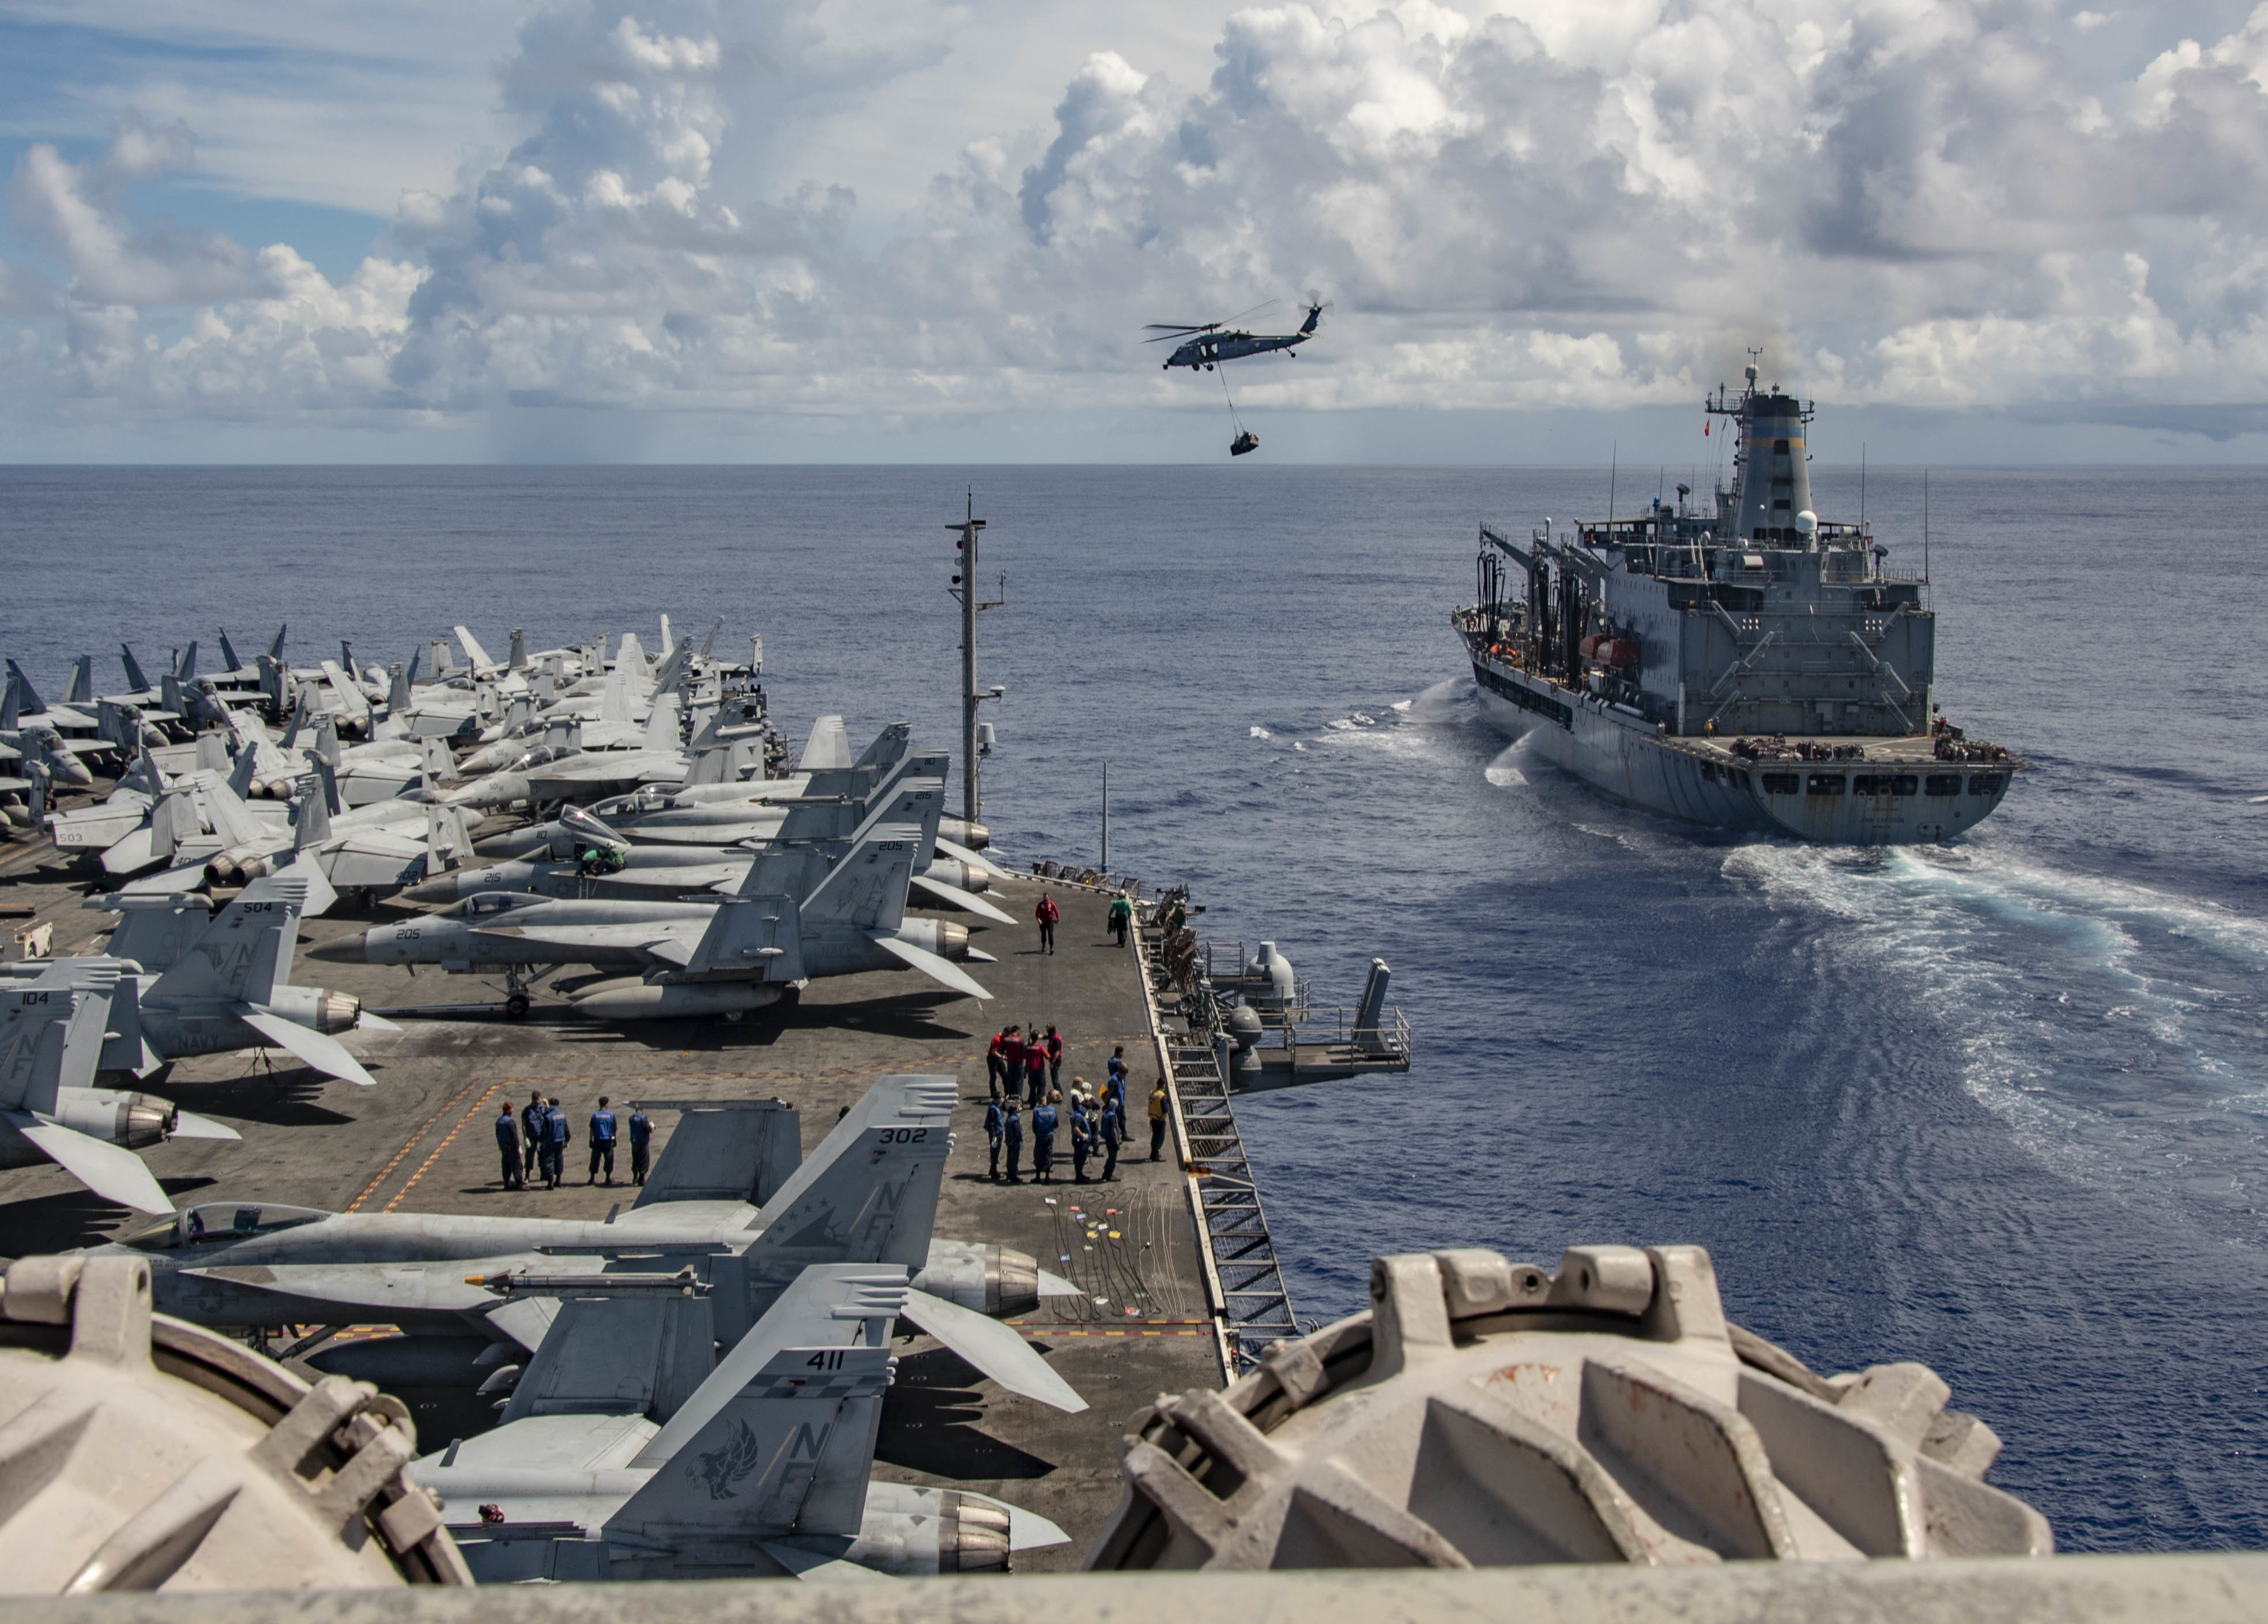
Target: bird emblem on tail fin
723	1467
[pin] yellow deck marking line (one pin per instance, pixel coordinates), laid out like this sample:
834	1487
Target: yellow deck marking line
444	1145
423	1128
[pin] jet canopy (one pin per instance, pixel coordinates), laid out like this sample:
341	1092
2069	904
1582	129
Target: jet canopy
220	1220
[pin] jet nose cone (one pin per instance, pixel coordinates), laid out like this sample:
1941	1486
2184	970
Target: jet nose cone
442	889
341	950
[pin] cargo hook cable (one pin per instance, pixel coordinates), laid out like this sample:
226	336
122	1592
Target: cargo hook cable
1225	395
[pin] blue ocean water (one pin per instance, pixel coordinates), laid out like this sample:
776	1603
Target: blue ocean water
1997	1107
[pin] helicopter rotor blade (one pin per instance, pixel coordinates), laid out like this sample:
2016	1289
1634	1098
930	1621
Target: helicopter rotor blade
1241	314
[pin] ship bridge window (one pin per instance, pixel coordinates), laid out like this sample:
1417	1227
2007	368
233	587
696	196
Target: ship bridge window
1944	783
1783	784
1884	783
1986	783
1825	783
1780	446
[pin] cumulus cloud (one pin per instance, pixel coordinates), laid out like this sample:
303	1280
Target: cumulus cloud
1910	201
75	207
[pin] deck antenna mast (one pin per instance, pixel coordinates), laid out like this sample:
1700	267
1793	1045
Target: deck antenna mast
1614	463
1862	488
964	590
1924	528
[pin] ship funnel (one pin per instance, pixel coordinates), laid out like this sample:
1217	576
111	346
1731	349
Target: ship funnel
1775	467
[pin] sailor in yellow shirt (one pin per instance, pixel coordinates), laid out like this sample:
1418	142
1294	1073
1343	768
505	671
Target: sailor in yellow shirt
1158	1120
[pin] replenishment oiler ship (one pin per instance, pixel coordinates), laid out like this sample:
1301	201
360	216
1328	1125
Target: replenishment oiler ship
1746	666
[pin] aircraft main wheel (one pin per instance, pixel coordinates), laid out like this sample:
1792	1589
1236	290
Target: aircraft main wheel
733	1015
515	1007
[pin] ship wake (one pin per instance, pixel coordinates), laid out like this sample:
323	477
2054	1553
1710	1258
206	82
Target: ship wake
2111	1027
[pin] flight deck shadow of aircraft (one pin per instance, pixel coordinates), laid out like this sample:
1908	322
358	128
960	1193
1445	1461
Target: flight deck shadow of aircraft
928	1418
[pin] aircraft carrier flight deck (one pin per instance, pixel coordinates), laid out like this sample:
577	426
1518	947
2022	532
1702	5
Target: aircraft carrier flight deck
420	1140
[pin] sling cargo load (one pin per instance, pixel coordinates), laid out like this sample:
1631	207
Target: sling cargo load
1748	667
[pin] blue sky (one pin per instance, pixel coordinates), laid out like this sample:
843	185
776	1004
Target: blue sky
702	231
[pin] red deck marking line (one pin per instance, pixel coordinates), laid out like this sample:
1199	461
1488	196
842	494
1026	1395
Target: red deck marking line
423	1128
444	1145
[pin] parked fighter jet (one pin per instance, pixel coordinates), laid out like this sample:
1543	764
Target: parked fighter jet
594	860
868	1193
27	728
694	959
552	772
203	830
229	987
54	1031
764	1469
824	803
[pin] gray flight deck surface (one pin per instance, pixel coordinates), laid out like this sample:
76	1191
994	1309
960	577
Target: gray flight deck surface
420	1140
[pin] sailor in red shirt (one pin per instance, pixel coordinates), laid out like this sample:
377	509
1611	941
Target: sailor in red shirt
1011	1061
1047	914
995	1064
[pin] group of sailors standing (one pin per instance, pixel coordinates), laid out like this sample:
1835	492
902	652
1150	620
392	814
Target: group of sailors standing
1096	1123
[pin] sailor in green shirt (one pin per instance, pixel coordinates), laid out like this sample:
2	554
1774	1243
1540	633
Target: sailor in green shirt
1122	914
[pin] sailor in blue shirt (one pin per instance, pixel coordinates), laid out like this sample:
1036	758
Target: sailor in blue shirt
1044	1141
1011	1135
1113	1130
641	1141
1082	1139
993	1120
531	1134
556	1135
507	1136
602	1142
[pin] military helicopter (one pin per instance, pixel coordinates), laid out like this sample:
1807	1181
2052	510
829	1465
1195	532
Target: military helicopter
1208	343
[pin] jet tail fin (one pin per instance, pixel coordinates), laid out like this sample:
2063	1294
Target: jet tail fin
81	690
614	697
232	819
828	746
888	745
869	1191
917	803
448	843
723	1150
155	931
245	953
866	890
751	938
136	682
617	1355
31	1060
785	1425
311	819
228	662
473	652
661	722
27	697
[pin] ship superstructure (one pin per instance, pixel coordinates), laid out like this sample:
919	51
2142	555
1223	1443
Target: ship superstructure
1740	663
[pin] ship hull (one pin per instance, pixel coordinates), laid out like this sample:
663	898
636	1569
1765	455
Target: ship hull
1625	757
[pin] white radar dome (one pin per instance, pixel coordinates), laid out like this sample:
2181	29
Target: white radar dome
1807	523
